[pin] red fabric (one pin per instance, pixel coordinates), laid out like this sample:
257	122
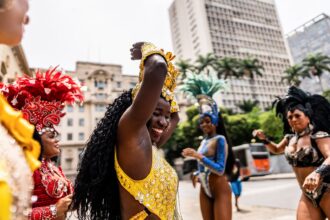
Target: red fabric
42	99
50	185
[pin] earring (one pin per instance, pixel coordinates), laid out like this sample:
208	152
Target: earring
310	127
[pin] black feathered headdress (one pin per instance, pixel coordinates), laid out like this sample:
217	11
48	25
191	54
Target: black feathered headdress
316	107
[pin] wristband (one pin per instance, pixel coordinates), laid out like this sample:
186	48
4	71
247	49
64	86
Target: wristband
323	170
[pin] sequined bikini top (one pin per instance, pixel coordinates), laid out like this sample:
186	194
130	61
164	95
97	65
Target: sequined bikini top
306	157
157	192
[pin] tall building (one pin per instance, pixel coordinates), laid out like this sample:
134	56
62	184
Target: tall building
13	63
310	38
233	28
102	84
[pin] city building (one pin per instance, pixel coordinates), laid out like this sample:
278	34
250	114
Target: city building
102	83
13	63
233	28
310	38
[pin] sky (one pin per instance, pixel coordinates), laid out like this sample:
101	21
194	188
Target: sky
62	32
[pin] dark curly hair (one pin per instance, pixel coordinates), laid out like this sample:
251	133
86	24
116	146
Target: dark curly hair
315	107
221	129
96	194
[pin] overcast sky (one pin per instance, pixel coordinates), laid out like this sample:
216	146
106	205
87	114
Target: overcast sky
62	32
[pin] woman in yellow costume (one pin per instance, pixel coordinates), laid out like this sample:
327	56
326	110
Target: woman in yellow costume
18	150
122	175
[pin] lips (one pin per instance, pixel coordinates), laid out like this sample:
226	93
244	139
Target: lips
157	131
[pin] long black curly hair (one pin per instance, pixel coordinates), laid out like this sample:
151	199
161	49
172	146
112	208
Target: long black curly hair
96	194
221	129
315	107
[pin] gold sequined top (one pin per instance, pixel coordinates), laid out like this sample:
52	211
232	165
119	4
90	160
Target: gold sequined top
157	192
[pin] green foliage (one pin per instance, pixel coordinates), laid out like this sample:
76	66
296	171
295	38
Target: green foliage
247	105
202	85
316	64
272	126
326	94
293	75
239	128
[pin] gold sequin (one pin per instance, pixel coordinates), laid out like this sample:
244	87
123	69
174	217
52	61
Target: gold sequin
157	191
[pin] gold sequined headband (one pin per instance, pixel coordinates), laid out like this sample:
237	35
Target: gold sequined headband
170	81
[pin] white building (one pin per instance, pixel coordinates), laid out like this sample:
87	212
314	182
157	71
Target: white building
233	28
104	83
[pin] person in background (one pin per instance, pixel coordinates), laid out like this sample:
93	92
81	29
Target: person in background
19	152
42	99
216	160
306	146
236	183
122	175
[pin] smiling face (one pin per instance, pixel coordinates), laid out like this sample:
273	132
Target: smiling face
297	120
50	144
206	125
12	21
160	120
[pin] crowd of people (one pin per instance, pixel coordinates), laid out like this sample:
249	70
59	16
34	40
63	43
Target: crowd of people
122	174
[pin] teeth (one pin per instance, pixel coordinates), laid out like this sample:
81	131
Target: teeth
158	130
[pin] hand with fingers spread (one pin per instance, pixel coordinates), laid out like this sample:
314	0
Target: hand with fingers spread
312	182
62	206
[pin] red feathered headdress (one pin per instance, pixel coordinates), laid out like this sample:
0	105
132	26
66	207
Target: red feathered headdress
42	99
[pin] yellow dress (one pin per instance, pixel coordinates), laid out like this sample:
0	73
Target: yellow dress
18	159
157	192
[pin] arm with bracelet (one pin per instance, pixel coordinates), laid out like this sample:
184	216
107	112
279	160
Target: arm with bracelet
271	146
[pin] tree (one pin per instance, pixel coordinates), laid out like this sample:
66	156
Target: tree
247	105
201	84
250	68
316	65
326	94
184	67
226	67
293	75
205	63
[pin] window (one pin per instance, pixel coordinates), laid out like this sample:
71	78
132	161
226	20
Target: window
81	136
100	96
100	84
100	108
69	137
81	122
81	108
68	163
70	122
118	84
69	108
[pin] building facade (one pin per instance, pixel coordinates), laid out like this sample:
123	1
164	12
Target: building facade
233	28
13	63
102	83
311	38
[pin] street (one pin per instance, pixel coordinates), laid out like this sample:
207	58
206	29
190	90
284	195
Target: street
271	199
261	199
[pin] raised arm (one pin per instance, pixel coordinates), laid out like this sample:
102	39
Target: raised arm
271	146
154	73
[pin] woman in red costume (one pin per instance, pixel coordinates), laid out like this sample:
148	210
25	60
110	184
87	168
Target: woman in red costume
41	100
